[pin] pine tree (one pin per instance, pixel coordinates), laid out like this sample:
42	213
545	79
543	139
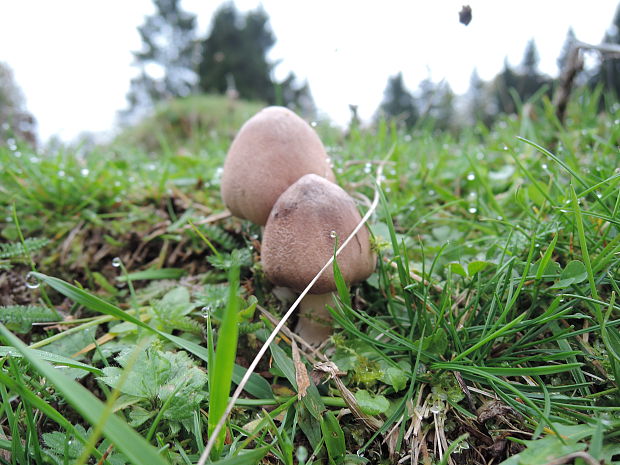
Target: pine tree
398	102
529	79
521	83
15	120
529	65
478	107
234	55
569	42
503	82
435	103
236	50
167	58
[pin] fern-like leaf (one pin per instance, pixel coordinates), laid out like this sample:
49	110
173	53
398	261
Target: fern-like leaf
219	236
19	318
16	249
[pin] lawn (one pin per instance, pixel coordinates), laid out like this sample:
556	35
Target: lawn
132	303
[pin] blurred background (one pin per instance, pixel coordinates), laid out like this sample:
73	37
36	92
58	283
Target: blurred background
75	69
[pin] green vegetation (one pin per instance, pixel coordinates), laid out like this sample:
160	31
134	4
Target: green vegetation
489	331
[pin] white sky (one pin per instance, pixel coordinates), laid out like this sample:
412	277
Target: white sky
72	58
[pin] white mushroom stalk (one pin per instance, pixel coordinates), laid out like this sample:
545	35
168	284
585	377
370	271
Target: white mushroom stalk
276	330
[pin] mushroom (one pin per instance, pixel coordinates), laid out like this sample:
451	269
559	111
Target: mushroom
272	150
298	240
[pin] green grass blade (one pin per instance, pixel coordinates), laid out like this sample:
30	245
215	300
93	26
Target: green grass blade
162	273
246	458
53	358
224	360
130	443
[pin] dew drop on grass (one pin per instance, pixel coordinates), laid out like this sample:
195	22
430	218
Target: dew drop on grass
431	192
472	210
599	195
332	234
367	168
84	172
31	281
61	173
313	124
544	166
471	176
206	311
505	147
500	217
435	409
116	262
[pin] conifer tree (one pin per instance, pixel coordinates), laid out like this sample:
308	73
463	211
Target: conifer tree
235	55
478	107
15	120
566	48
167	58
398	102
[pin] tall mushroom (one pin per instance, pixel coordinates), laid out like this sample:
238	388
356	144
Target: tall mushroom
299	239
272	150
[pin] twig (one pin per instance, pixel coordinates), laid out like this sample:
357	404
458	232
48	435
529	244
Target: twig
574	64
263	349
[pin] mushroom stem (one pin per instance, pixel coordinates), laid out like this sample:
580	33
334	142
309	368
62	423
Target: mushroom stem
315	321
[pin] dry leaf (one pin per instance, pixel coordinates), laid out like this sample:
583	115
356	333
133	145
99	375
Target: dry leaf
301	374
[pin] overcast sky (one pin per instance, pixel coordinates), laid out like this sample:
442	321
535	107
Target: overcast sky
72	58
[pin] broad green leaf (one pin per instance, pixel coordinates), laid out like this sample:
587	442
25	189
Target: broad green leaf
156	375
371	405
477	266
550	272
457	268
257	386
574	273
334	438
312	400
537	192
395	377
245	457
126	440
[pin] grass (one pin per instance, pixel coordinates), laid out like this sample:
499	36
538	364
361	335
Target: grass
489	331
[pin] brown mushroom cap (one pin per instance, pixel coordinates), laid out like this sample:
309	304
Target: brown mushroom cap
272	150
299	237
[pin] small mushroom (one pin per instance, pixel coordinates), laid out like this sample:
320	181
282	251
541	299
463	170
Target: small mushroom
299	238
272	150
